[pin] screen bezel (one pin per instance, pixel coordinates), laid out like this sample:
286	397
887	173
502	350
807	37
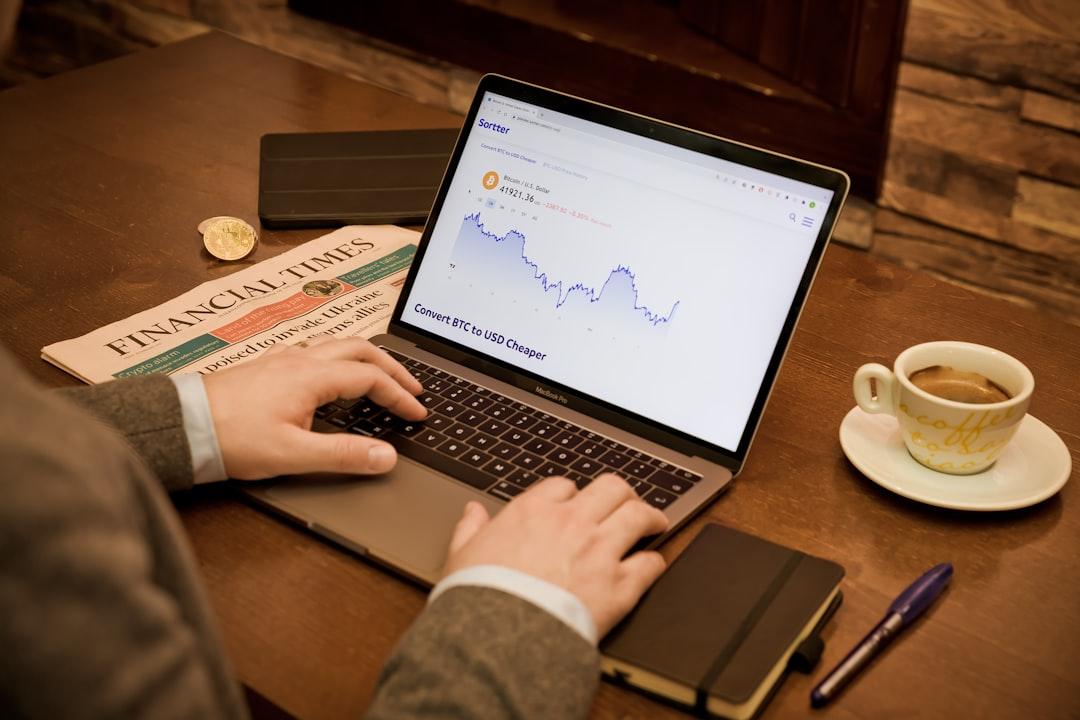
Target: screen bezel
717	147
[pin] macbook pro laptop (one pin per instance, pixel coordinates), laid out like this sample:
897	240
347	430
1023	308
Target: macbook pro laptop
594	291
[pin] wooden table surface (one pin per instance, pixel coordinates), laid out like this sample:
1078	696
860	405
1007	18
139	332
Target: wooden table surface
106	171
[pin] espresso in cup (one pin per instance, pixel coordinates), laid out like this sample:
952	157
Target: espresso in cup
957	404
958	385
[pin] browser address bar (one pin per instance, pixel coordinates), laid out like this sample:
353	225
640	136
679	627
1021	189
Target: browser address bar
596	155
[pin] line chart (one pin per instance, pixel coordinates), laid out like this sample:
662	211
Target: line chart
503	262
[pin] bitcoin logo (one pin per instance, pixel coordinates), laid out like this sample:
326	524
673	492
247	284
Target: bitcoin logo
491	180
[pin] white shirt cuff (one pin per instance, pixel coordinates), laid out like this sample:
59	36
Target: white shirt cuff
553	599
206	460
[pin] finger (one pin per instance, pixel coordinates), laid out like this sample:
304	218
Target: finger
603	496
474	518
552	489
630	522
345	378
276	349
364	351
304	451
639	572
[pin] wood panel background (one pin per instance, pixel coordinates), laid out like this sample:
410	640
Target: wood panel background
982	183
713	65
983	180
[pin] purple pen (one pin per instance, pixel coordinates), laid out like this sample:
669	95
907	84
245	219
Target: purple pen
910	605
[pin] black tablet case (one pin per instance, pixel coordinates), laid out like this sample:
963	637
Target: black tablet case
341	178
723	614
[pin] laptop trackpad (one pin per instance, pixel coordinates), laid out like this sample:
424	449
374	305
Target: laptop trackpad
404	518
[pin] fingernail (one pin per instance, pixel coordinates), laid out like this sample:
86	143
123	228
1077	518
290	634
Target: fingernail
381	458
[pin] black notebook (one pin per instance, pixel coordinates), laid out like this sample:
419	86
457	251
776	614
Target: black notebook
720	628
380	176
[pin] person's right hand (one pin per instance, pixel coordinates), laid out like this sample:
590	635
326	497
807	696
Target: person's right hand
575	540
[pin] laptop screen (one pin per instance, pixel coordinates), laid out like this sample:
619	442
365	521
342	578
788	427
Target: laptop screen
652	277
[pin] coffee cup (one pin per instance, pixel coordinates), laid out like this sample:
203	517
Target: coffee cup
951	436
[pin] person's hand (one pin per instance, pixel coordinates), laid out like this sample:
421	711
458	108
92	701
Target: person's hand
263	409
575	540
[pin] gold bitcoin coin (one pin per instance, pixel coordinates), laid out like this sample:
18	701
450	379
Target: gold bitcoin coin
229	238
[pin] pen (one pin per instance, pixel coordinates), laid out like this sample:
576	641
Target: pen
909	605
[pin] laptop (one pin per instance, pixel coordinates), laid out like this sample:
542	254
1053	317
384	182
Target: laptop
594	291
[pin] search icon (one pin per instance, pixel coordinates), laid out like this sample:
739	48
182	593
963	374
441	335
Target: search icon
791	217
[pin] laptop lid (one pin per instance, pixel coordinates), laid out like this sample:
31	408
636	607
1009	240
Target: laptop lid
642	273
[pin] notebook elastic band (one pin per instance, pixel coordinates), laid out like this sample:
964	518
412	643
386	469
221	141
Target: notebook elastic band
744	629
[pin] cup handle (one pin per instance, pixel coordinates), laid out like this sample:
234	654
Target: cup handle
885	382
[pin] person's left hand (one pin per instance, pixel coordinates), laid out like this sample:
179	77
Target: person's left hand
263	409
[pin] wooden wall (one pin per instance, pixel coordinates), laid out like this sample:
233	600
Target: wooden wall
982	184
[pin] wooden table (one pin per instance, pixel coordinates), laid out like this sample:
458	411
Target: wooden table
107	170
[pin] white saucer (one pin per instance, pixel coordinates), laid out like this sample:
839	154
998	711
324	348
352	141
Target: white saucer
1034	466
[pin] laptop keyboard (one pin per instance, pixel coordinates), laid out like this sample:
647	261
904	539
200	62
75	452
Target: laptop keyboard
499	445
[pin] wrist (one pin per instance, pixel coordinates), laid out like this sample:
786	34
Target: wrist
556	601
207	462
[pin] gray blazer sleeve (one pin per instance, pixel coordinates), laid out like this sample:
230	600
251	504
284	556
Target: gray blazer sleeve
146	411
101	613
481	653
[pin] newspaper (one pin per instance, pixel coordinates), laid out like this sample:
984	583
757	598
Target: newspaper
342	284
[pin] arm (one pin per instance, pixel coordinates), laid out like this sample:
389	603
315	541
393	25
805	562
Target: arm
146	411
101	614
254	420
101	611
481	652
